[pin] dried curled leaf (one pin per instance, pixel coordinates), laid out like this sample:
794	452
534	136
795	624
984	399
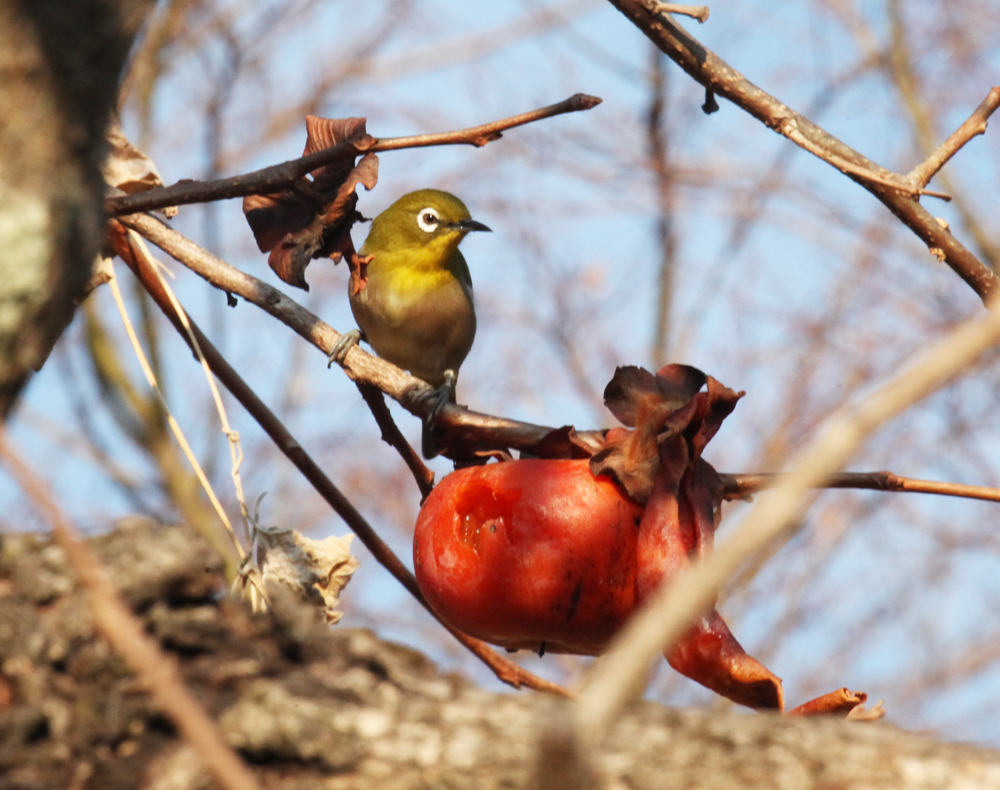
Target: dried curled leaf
842	702
129	169
561	443
317	570
713	407
313	218
658	407
634	395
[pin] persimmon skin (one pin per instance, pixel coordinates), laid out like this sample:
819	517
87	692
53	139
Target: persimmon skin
530	553
541	554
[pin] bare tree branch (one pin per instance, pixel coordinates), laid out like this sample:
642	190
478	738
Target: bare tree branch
283	175
974	125
472	428
488	132
897	61
741	485
898	193
468	427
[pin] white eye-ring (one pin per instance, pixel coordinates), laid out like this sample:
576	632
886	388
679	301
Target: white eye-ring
428	219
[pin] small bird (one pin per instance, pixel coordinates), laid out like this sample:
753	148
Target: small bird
416	308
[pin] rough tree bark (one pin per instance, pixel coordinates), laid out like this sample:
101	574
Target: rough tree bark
59	67
311	707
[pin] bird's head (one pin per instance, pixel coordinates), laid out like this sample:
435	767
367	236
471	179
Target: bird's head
429	219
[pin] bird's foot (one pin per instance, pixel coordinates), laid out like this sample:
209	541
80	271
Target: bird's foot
339	352
439	398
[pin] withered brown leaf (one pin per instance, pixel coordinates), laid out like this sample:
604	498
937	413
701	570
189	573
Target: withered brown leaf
713	407
561	443
317	570
658	407
129	169
633	392
841	702
313	218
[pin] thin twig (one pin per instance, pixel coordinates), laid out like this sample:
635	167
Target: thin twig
392	436
705	67
127	636
790	130
467	427
898	60
621	674
283	175
505	670
699	12
488	132
974	125
736	486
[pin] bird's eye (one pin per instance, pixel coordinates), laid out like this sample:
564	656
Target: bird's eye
428	219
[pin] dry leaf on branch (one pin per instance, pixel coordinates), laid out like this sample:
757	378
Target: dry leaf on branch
313	218
561	443
129	169
657	408
317	570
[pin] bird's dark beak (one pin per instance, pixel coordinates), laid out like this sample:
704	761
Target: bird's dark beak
467	225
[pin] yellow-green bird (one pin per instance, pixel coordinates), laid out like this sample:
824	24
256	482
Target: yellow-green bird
416	309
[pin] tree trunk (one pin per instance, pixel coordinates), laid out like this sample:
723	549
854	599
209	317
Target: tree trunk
312	707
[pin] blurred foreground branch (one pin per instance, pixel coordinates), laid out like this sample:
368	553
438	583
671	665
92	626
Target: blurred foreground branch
620	675
309	706
974	125
130	640
60	66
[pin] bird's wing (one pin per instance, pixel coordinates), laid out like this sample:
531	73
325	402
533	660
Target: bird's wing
458	267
